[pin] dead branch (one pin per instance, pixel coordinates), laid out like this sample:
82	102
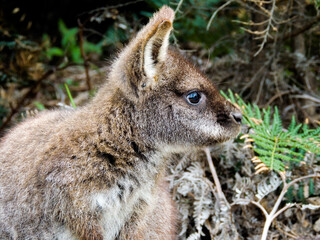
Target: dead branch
304	28
216	11
267	30
275	212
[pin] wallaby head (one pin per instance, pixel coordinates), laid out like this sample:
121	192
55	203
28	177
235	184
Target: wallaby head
174	103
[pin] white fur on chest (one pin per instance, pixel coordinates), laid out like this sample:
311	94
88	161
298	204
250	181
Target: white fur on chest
115	212
64	234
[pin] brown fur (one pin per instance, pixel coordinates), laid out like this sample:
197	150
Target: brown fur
98	172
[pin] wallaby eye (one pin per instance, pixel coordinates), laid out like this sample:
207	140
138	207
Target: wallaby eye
193	98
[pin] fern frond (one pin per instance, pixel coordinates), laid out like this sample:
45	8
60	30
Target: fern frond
194	236
274	146
201	207
257	111
266	119
263	138
316	132
276	124
261	167
268	185
232	99
293	127
293	124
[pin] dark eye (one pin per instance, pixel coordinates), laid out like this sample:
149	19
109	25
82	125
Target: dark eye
193	98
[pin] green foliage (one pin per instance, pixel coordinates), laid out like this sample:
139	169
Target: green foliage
297	193
114	35
15	41
70	96
300	195
311	187
9	44
70	82
274	145
54	51
289	195
69	45
191	21
39	105
156	5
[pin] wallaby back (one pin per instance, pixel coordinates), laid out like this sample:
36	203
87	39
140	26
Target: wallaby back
98	172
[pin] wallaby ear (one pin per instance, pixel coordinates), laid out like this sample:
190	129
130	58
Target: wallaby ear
137	63
156	48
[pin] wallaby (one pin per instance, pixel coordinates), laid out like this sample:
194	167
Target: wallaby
98	172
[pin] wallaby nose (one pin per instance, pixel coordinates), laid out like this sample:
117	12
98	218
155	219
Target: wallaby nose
237	117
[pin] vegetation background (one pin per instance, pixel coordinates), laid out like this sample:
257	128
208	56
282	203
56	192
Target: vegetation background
56	54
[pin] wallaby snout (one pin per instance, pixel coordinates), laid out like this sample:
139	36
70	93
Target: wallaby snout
237	117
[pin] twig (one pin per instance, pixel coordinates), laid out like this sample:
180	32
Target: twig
220	193
213	190
265	37
260	89
251	8
289	205
255	1
178	7
274	213
261	7
284	229
277	96
250	23
25	46
216	11
85	59
304	28
114	6
264	32
254	77
261	208
308	97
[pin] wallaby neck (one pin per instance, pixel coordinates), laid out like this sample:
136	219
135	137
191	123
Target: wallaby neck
117	138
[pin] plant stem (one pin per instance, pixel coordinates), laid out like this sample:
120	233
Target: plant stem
70	96
221	196
274	213
216	11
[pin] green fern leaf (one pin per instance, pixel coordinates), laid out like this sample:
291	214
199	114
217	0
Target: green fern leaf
257	112
275	146
261	138
296	129
276	124
292	124
232	99
266	119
